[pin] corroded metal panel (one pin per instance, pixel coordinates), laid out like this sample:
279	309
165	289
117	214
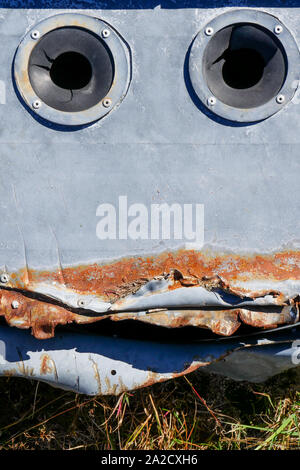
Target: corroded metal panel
157	146
94	364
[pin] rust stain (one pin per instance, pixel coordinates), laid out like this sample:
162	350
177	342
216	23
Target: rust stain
46	365
114	280
25	370
41	317
10	372
112	389
96	375
265	319
154	377
221	322
118	279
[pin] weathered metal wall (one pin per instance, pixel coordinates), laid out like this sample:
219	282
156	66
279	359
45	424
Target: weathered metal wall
94	364
160	145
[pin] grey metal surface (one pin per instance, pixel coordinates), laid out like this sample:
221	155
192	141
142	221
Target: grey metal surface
201	88
101	365
116	46
160	145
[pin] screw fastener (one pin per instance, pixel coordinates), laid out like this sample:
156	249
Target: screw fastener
36	104
4	278
209	31
278	29
211	101
280	99
105	33
81	303
35	34
106	103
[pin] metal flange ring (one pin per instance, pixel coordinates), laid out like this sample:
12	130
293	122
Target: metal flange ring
72	69
265	42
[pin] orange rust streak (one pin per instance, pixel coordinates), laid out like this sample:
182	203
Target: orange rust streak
46	365
154	377
221	322
41	317
109	280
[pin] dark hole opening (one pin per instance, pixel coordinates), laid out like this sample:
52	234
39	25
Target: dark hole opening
71	71
243	68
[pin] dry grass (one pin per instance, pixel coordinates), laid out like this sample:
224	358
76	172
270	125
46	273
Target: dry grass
199	411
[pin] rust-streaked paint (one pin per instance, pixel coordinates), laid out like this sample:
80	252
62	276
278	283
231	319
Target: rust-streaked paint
221	322
118	279
154	378
114	280
41	317
48	366
266	319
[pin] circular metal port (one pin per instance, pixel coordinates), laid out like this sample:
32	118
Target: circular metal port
70	69
244	65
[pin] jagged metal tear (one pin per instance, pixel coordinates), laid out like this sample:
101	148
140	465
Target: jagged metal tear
157	294
94	365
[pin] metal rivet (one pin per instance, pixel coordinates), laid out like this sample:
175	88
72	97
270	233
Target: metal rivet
209	31
81	303
4	278
35	34
278	29
105	33
106	103
211	101
280	99
36	104
15	304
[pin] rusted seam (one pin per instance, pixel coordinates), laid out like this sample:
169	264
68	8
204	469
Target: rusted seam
42	317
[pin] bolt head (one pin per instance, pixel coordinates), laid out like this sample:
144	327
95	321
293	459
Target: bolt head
105	33
278	29
106	102
15	304
35	34
36	104
81	303
280	99
209	31
211	101
4	278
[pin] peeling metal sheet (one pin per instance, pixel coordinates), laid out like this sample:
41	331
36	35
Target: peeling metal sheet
221	322
42	316
125	286
250	275
195	296
54	270
108	366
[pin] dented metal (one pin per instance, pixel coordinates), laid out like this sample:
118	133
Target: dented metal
162	301
41	317
95	364
236	283
158	147
249	274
